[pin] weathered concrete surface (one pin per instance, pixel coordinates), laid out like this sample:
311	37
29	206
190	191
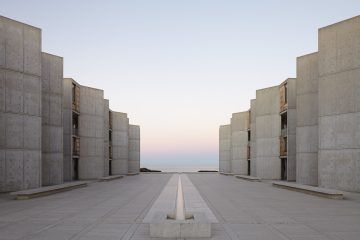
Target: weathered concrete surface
339	105
291	129
225	149
52	122
67	129
253	137
245	210
134	149
307	119
267	133
239	142
106	137
91	131
20	106
120	143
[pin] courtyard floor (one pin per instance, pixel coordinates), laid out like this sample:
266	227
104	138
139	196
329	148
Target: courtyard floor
245	210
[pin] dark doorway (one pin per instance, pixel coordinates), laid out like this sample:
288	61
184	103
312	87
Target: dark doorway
110	170
75	172
249	167
283	168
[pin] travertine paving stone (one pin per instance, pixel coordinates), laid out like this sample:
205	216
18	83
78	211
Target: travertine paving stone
245	210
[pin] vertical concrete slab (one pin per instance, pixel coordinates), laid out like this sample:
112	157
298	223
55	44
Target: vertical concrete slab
52	119
253	137
91	132
134	149
106	137
267	133
67	128
307	75
339	105
291	129
225	149
120	142
20	106
239	142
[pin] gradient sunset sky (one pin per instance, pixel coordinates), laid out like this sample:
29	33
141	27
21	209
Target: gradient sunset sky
179	68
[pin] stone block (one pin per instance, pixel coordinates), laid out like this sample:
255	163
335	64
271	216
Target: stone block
55	104
14	130
307	168
32	96
307	74
32	132
2	90
32	50
307	139
14	45
307	109
14	170
14	92
32	167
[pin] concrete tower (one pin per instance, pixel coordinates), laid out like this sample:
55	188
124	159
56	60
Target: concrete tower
225	149
134	149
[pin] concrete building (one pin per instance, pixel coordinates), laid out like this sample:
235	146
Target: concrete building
307	119
106	116
288	129
71	138
225	149
268	163
339	105
239	142
253	137
120	143
52	119
134	149
20	106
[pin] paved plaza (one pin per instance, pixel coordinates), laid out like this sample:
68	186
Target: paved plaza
245	210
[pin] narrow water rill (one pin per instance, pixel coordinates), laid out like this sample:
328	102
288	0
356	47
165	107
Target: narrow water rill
180	211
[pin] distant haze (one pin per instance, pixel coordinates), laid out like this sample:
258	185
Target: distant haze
179	68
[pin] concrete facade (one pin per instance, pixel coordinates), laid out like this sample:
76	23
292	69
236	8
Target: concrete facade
20	106
134	149
339	105
225	149
307	119
106	132
290	130
52	122
120	143
91	132
268	133
253	137
239	142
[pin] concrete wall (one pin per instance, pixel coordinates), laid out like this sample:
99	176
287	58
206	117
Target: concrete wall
67	129
52	122
339	105
307	119
20	106
106	137
239	142
91	132
291	129
120	143
225	149
134	149
267	133
253	137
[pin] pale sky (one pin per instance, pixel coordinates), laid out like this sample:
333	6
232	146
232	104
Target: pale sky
179	68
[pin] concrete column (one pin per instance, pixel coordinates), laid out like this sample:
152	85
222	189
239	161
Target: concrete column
91	131
225	149
307	119
268	133
253	137
106	137
239	142
291	129
134	149
120	142
52	123
339	105
67	128
20	106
